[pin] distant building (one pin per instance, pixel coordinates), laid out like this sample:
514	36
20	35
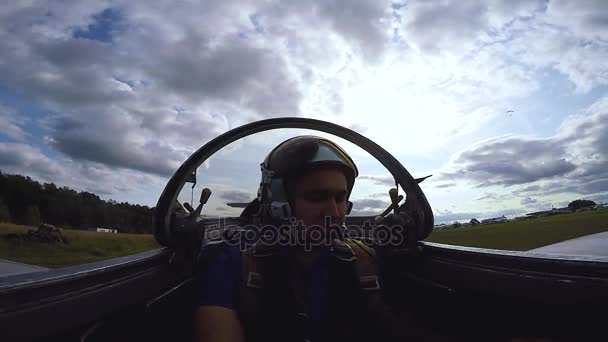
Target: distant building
553	211
494	220
474	222
104	230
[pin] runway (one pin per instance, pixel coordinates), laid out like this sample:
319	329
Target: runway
589	245
11	268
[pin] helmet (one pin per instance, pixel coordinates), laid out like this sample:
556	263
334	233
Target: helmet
294	157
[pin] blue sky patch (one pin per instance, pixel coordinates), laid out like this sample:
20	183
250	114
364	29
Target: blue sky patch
105	26
26	108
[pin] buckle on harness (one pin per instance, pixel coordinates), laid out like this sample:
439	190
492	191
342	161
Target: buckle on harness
369	283
342	251
255	280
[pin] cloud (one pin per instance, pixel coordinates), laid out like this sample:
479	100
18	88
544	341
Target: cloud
563	37
528	200
11	123
380	180
137	87
370	203
369	206
365	212
492	196
118	139
511	160
454	26
431	28
585	18
378	195
24	159
124	78
445	185
574	160
361	22
236	196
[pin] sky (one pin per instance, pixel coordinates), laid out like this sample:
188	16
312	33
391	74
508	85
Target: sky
505	103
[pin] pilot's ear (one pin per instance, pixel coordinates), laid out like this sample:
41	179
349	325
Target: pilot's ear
349	207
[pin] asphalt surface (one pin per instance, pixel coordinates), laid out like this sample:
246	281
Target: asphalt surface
589	245
11	268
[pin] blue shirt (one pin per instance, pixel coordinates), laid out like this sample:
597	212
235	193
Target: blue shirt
223	277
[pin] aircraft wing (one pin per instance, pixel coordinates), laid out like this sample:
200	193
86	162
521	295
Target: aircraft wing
589	245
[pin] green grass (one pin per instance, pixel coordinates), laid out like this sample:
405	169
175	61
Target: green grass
527	234
83	247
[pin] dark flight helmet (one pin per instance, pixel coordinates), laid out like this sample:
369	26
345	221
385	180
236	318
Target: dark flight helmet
293	157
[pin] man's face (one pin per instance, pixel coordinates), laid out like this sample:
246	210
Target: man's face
319	194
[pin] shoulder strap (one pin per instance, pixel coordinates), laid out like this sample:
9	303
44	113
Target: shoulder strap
254	290
365	265
367	270
249	295
353	252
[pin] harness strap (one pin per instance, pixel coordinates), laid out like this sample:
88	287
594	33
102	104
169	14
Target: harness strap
365	265
352	252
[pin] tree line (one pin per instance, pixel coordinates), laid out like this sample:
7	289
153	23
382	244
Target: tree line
27	202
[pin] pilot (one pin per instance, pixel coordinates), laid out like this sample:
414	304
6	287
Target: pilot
320	288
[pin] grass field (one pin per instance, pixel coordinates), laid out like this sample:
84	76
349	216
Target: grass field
84	247
527	234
